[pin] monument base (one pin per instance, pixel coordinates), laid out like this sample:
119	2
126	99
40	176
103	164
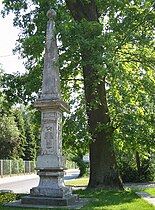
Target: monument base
78	204
36	200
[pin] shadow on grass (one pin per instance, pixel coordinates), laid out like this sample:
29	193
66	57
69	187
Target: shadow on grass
102	198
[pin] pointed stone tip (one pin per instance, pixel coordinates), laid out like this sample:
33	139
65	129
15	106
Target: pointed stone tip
51	14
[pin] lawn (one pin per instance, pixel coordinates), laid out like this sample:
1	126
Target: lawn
150	191
77	182
102	199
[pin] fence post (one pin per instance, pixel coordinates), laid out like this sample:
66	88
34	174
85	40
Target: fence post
29	167
24	167
10	168
1	168
17	167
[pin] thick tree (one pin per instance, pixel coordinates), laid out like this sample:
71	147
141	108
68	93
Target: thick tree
109	45
103	168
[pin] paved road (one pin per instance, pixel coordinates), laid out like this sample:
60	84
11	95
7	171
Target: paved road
23	184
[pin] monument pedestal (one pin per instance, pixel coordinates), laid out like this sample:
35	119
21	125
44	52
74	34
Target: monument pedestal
51	190
51	185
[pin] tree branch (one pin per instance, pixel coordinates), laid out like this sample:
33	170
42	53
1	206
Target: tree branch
80	10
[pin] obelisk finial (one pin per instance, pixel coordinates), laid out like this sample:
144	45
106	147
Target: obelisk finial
51	14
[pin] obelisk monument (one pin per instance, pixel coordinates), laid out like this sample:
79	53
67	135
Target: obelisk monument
50	164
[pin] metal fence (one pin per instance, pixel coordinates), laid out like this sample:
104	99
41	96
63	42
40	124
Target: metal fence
12	167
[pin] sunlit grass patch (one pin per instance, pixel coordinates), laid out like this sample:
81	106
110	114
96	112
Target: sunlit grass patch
77	182
151	191
117	200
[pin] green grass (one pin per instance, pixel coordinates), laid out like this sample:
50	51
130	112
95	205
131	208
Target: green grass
77	182
151	191
117	200
99	199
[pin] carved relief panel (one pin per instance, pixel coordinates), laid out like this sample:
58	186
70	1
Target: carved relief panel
48	134
51	134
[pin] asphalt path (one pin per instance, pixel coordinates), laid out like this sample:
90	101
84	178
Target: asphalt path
23	184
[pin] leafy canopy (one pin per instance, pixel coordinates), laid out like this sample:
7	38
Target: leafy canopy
122	42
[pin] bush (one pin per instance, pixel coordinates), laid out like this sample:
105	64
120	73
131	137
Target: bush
128	172
8	197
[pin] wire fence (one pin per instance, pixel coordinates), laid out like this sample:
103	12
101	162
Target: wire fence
12	167
70	164
15	167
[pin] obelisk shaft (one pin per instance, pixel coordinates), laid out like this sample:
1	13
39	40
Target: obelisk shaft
51	81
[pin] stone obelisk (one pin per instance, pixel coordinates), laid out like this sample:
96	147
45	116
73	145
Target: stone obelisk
50	164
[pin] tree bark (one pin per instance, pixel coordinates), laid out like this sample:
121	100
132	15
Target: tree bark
138	164
103	167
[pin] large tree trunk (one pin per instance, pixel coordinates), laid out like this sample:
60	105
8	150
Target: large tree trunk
103	167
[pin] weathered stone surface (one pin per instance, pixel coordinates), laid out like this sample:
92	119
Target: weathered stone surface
47	161
65	201
73	203
51	81
51	184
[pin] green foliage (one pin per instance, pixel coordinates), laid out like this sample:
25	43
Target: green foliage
83	167
21	89
9	136
119	46
8	197
31	139
129	170
18	114
18	130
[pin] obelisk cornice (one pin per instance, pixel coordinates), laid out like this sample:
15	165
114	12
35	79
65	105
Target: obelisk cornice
52	105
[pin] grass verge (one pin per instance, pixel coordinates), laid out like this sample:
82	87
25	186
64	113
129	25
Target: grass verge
100	199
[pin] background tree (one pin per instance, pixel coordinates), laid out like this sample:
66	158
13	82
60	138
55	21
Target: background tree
9	135
19	130
29	131
18	116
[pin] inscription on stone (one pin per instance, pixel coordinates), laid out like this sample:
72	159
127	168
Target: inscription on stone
49	137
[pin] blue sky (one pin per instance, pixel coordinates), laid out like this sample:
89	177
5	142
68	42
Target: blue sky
8	36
